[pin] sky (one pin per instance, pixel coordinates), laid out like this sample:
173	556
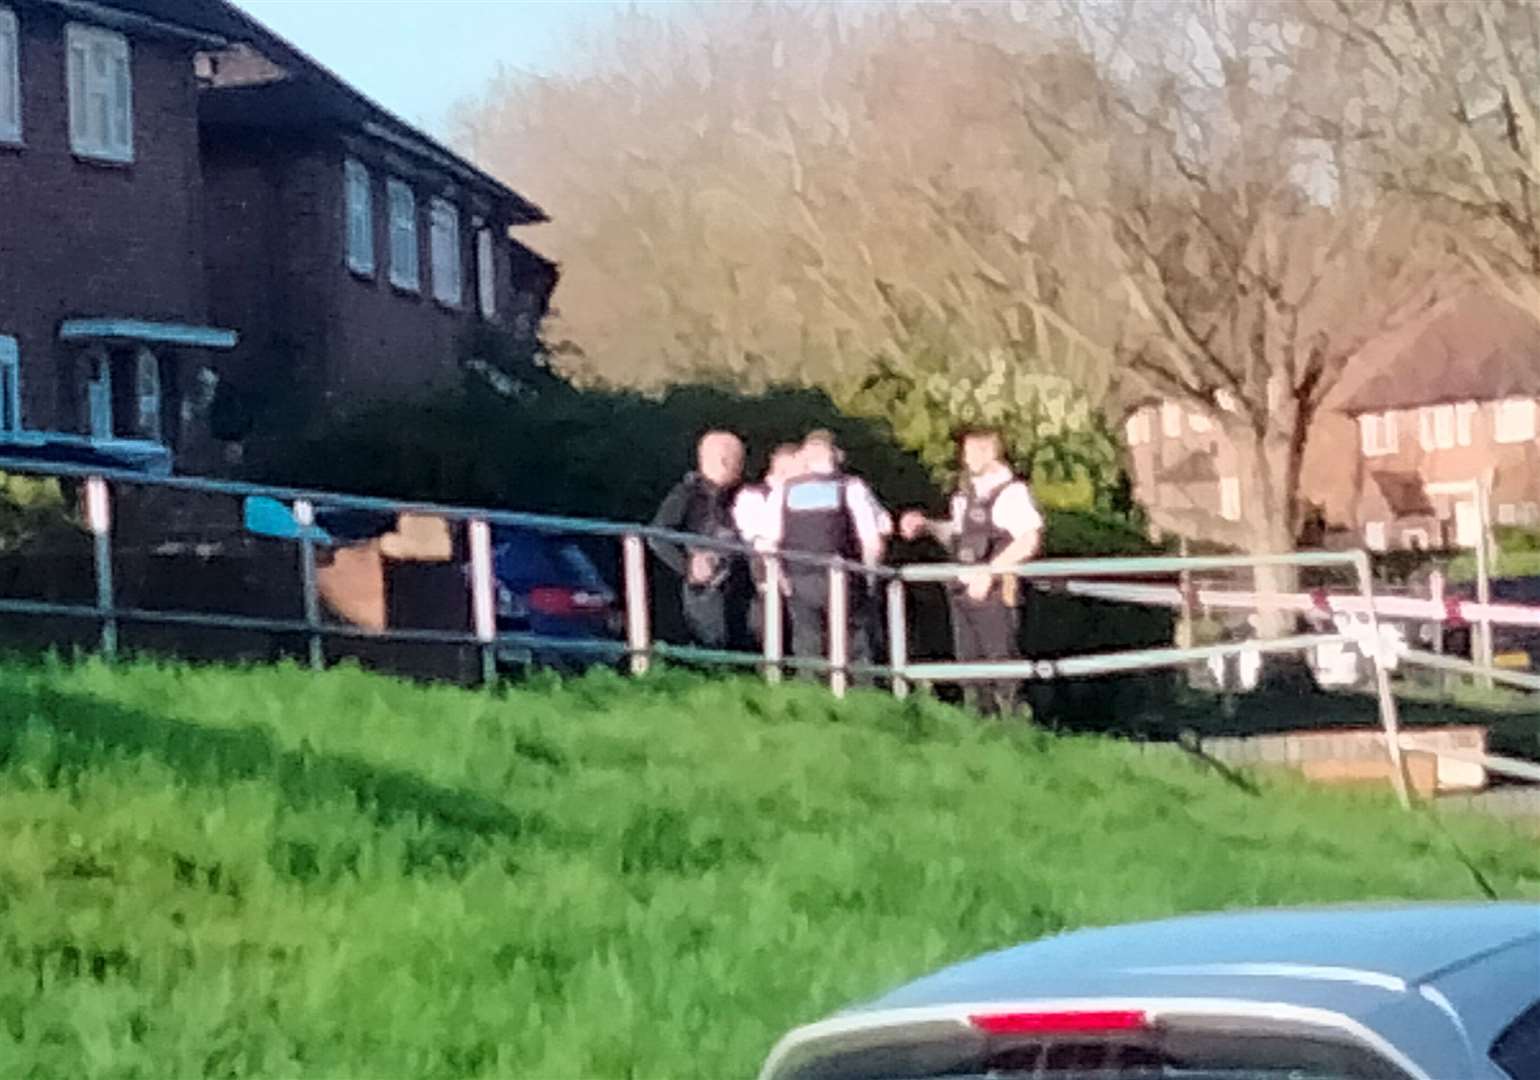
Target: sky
419	57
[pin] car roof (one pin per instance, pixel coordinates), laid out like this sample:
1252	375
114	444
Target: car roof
1384	946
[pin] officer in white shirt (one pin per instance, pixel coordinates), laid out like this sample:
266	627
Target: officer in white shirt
751	512
994	524
824	511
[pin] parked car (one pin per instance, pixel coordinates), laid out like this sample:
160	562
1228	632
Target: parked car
1414	992
548	587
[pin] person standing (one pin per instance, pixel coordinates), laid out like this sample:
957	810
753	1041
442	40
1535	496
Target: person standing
713	583
994	525
750	514
826	512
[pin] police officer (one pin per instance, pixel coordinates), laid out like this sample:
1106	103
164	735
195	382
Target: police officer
714	584
994	524
751	514
826	512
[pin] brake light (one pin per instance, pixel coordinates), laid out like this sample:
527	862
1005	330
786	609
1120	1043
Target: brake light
548	600
1084	1022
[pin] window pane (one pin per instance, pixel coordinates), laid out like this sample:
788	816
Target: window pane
486	273
360	217
403	236
10	84
121	96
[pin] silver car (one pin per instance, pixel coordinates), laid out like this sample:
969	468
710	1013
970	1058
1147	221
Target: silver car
1413	992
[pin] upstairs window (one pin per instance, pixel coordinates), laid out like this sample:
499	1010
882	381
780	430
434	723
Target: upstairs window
486	273
404	272
1515	420
1464	414
359	216
10	77
1138	428
448	285
1378	432
1436	427
101	93
1171	420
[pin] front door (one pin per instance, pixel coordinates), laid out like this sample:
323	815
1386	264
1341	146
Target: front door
1467	523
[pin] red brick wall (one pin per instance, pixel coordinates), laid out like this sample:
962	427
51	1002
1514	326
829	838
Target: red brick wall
278	273
79	238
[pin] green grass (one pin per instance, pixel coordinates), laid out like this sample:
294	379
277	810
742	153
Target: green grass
266	873
1508	564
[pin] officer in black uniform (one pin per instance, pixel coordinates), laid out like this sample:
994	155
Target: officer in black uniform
994	524
826	512
715	587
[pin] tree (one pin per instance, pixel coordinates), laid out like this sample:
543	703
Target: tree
1449	114
1249	276
777	194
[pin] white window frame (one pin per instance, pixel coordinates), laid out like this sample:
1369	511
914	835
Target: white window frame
1437	427
109	136
1464	417
1374	535
1513	420
10	77
1377	433
10	385
1171	419
444	246
1200	423
405	250
1138	428
1230	498
486	272
358	216
1412	539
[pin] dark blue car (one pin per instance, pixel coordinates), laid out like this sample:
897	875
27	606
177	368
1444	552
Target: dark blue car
547	586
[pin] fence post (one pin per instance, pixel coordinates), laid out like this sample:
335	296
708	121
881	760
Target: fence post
304	517
839	630
99	519
483	601
1482	640
774	615
898	636
1436	595
1388	716
638	632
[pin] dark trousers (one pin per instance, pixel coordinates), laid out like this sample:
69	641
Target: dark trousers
986	630
757	620
808	607
717	616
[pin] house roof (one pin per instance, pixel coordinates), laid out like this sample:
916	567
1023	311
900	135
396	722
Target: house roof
1404	493
310	96
1473	347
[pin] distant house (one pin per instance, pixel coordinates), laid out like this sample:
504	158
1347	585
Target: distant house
1445	404
189	204
1185	472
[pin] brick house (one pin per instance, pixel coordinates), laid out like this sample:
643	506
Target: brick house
1184	471
192	205
1447	402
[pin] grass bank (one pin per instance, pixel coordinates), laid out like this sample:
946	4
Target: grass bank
267	873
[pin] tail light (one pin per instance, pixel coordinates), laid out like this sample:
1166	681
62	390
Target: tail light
1081	1022
550	600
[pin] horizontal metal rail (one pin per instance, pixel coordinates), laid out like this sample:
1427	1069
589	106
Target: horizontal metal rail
1106	663
1522	679
299	627
1092	568
1507	766
551	523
